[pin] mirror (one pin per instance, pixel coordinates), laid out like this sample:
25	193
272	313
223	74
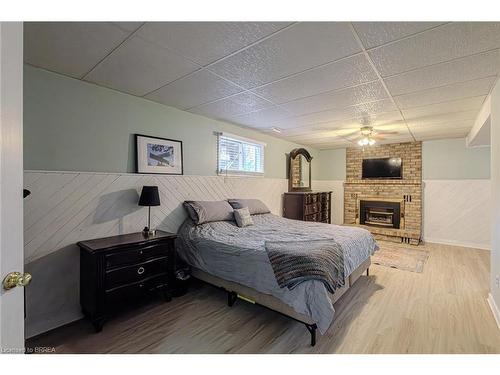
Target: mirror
299	174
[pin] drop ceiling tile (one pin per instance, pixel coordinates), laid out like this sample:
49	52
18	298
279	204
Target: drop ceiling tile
337	99
461	105
423	135
332	147
443	118
358	112
195	89
71	48
444	126
263	118
347	72
394	133
368	110
317	136
138	67
392	140
238	104
385	121
298	48
205	42
437	45
446	93
441	136
463	69
374	34
330	143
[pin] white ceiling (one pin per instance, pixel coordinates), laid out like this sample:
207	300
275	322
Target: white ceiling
314	81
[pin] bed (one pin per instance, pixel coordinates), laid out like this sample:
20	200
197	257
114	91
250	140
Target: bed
235	259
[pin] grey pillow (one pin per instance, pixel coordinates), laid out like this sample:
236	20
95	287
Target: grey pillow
255	206
242	217
206	211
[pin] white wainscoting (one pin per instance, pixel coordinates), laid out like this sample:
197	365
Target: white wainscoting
67	207
457	212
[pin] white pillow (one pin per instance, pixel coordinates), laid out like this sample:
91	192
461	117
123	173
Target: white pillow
242	217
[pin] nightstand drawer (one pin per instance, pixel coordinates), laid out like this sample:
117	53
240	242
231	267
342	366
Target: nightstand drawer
134	273
135	255
131	292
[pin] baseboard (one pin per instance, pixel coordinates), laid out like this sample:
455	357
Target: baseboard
494	309
457	243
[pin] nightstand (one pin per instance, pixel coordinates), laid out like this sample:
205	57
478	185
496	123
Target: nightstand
117	271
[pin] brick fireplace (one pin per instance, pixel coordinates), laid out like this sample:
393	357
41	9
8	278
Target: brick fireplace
390	209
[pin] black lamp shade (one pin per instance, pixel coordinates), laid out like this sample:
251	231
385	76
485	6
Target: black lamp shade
149	196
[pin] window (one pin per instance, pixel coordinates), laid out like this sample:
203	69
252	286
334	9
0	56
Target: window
237	155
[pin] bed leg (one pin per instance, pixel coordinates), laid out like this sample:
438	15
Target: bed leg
231	298
368	271
312	330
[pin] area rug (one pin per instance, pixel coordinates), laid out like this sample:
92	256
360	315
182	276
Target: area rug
400	256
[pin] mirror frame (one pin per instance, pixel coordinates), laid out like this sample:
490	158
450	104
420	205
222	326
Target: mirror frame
293	154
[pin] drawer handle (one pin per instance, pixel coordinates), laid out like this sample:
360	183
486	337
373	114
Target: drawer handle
140	270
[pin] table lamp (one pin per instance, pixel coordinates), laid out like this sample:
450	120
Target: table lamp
149	197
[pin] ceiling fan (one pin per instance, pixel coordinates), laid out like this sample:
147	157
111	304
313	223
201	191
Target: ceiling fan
369	135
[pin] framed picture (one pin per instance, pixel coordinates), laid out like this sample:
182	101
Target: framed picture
158	155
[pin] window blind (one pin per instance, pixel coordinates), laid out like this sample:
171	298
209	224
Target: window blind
239	156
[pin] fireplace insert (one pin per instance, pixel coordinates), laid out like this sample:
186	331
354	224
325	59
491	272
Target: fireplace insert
380	213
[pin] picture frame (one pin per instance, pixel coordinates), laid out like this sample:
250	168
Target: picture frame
158	155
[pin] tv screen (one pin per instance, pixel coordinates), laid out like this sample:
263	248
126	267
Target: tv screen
382	168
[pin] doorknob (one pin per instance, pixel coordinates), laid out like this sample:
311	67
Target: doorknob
14	279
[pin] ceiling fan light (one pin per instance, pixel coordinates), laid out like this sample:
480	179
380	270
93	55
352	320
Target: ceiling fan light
363	141
366	141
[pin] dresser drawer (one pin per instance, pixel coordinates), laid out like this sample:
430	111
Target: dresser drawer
130	293
129	274
310	198
313	217
312	208
135	255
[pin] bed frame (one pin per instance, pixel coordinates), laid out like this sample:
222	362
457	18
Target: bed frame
245	293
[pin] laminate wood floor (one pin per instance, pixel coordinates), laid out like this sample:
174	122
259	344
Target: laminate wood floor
442	310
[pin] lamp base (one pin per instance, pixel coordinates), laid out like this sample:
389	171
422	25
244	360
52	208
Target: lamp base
146	232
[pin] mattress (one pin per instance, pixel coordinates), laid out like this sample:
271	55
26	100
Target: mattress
238	254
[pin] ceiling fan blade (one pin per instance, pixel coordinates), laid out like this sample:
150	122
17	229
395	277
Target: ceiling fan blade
385	132
351	133
379	137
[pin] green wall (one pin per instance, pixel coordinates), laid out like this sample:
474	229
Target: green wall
70	125
451	159
447	159
331	164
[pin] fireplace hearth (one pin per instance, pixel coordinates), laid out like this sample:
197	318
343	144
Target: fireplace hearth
380	213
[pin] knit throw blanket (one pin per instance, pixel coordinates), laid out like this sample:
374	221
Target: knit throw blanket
294	262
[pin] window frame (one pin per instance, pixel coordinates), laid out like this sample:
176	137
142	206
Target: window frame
250	141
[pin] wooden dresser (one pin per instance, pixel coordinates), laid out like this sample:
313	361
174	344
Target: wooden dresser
120	270
308	206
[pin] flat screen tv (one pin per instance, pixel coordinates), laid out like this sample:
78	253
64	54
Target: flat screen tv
382	168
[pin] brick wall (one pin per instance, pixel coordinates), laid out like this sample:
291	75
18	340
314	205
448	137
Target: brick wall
408	190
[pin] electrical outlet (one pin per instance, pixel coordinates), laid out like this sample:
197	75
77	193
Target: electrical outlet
497	281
